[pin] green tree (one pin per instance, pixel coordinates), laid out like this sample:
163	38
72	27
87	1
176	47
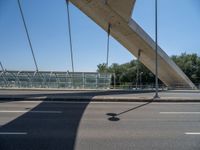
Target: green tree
102	68
127	73
189	64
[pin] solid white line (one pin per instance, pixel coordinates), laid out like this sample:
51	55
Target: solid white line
192	133
179	112
13	133
79	102
24	111
91	102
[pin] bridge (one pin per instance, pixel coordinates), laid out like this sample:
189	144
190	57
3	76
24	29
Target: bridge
117	14
60	119
114	16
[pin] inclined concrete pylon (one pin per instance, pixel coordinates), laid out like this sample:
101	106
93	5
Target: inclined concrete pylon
125	30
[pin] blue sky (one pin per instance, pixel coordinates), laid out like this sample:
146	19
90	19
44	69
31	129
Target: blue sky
178	31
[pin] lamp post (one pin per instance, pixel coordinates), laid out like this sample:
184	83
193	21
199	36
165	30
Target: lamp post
138	61
114	75
156	49
141	80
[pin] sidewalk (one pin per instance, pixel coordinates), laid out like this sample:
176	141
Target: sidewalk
100	95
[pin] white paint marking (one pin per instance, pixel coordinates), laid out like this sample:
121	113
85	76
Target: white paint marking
24	111
192	133
13	133
93	102
179	112
79	102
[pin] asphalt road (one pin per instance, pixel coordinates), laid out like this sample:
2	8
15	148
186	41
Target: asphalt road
37	125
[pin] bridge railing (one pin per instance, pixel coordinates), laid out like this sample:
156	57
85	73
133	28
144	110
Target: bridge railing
47	79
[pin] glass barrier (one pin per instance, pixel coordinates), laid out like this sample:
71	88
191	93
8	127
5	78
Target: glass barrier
45	79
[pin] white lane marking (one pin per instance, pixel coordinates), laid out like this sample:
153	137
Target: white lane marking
13	133
91	102
24	111
192	133
179	112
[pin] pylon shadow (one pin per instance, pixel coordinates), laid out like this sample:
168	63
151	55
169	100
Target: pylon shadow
44	131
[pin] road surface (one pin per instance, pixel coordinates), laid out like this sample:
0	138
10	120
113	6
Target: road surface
39	125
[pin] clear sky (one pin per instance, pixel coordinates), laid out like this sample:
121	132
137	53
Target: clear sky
178	31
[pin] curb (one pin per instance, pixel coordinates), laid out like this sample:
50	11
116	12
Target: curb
101	99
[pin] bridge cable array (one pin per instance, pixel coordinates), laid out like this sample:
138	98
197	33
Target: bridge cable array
27	34
108	45
3	73
70	40
108	50
70	35
2	68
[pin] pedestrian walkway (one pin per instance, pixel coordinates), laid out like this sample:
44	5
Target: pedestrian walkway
101	95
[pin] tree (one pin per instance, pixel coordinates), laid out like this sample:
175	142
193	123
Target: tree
102	68
190	65
127	73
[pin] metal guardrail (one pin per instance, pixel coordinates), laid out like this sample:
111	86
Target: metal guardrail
130	86
69	80
151	86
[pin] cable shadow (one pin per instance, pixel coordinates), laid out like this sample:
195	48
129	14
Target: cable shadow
115	116
44	131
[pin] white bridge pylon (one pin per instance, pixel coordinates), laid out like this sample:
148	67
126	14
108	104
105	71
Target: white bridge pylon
125	30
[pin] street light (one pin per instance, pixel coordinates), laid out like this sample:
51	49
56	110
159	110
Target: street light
114	76
156	49
138	61
141	79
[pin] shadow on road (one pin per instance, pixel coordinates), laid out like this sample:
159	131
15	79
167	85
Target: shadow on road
44	131
115	116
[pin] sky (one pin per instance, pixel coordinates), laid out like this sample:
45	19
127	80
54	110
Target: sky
178	32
